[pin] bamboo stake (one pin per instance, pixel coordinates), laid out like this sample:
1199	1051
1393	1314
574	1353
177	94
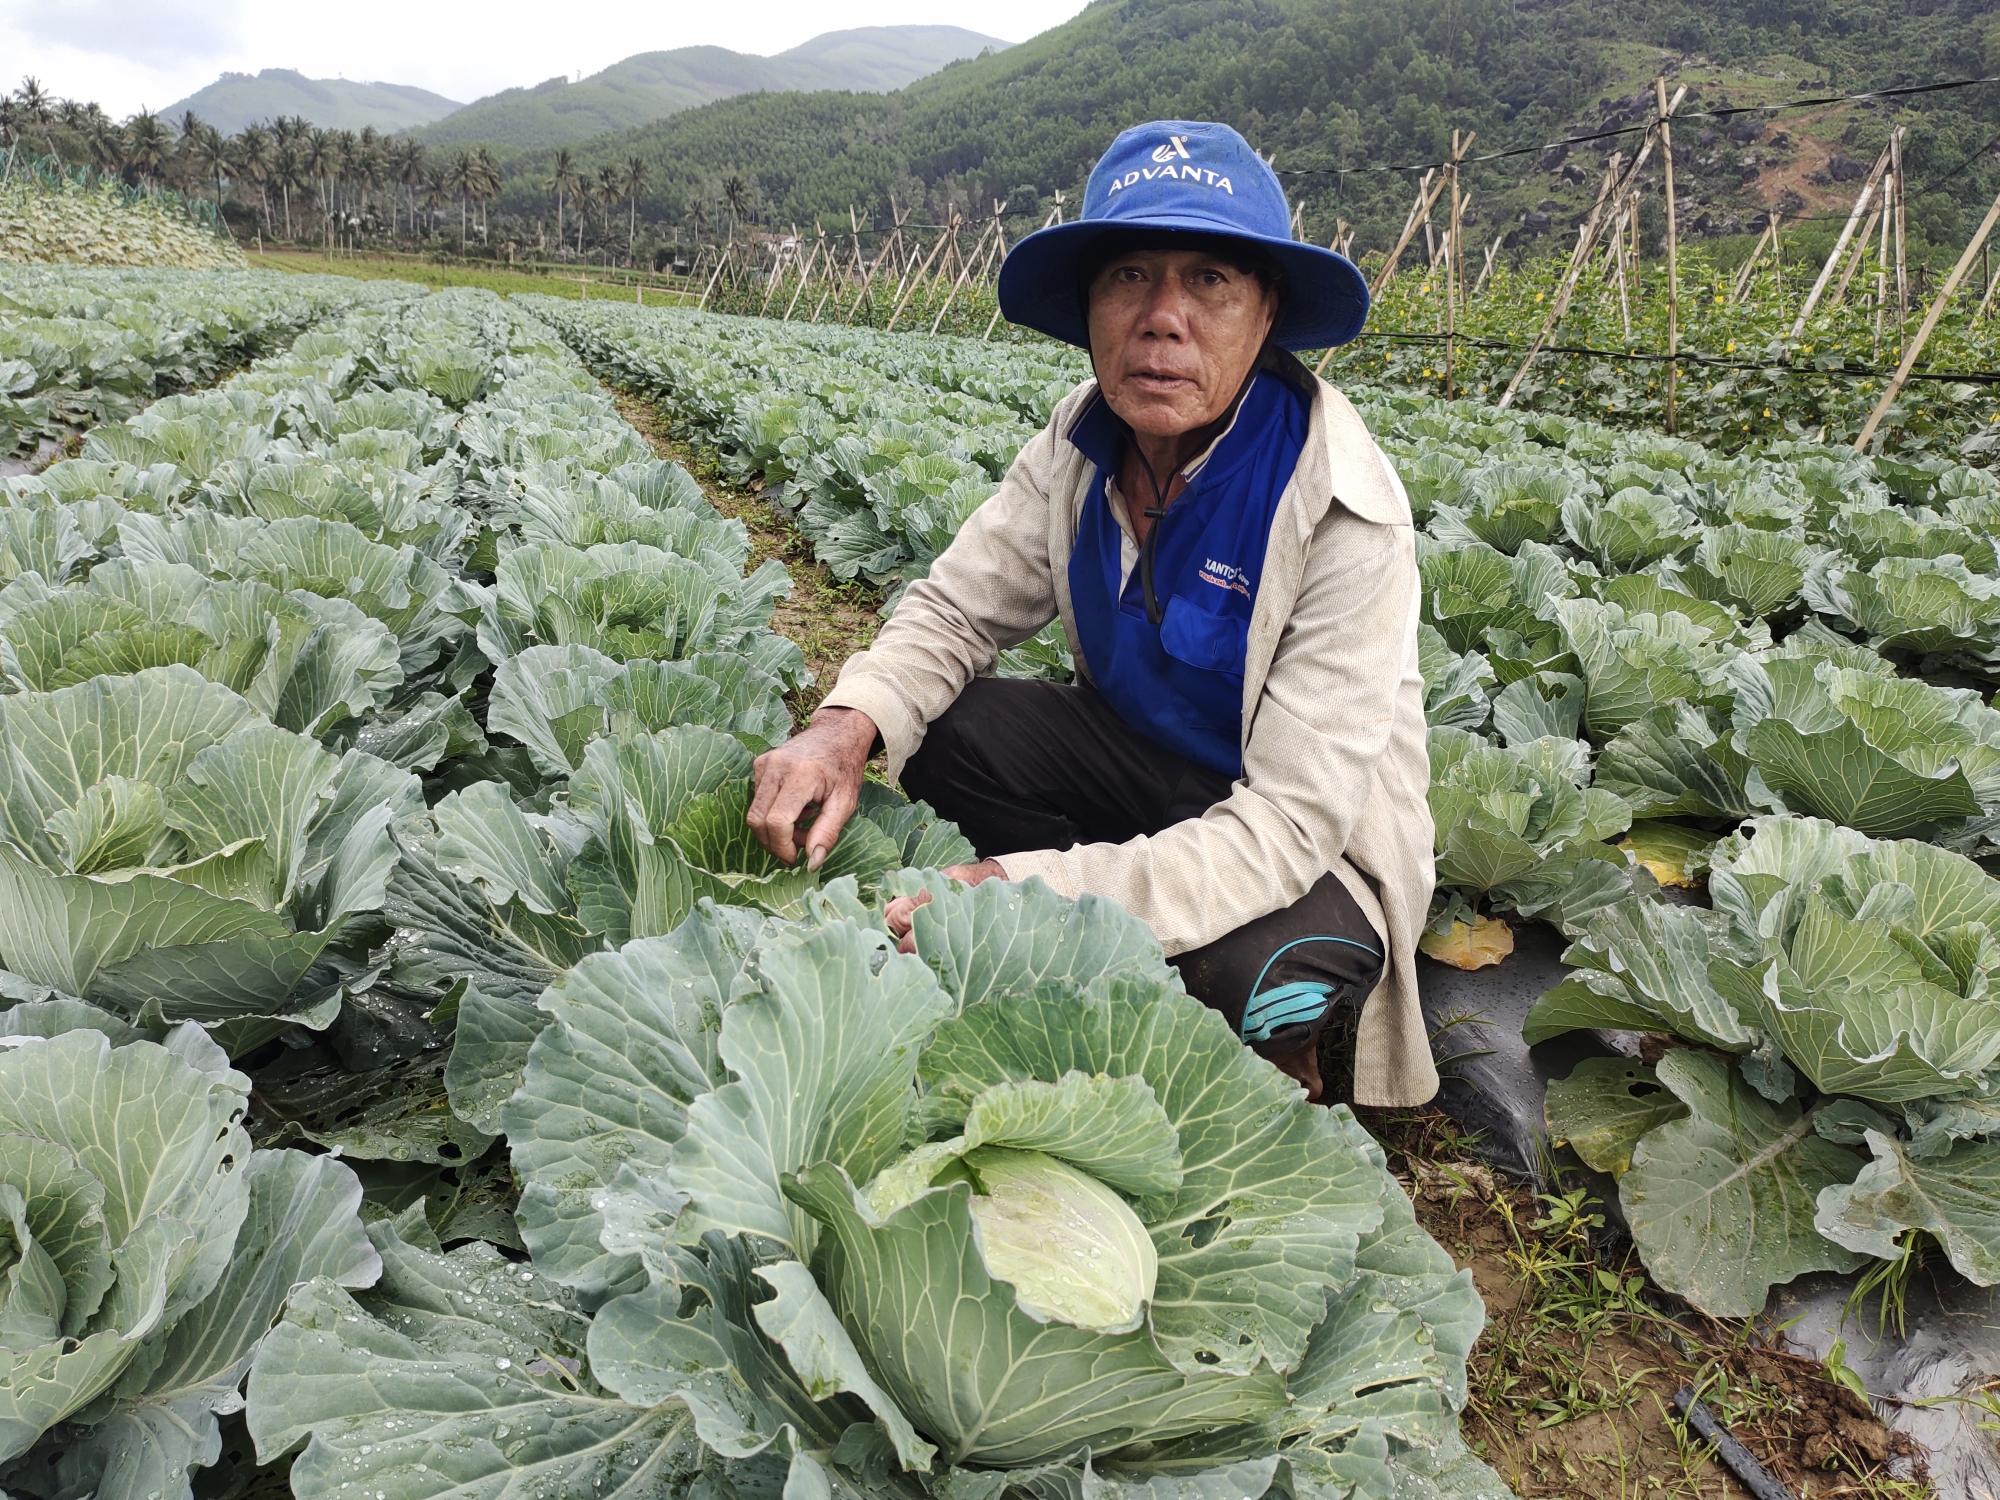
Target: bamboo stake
1882	264
854	229
777	264
903	301
1854	259
1419	213
1451	268
1445	245
1986	301
1930	322
1749	267
898	216
1902	274
805	277
1487	269
1673	248
1586	237
1882	163
978	249
720	262
1624	296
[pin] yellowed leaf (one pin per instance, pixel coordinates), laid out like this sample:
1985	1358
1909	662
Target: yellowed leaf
1484	942
1675	856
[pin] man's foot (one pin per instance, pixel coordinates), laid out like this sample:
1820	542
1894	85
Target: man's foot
1303	1065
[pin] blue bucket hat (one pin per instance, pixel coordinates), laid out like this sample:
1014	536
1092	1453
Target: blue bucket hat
1191	177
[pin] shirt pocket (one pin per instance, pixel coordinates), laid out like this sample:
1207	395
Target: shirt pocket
1201	639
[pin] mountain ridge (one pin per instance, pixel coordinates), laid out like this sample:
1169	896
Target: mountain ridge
1346	93
650	86
238	99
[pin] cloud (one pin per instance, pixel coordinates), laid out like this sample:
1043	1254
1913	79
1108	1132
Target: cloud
147	32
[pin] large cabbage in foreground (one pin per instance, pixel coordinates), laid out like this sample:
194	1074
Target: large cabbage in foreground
144	1250
811	1216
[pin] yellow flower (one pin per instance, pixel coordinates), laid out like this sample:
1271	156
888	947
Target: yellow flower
1732	347
1767	411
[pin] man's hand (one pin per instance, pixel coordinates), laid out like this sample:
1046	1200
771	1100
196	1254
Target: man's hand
902	911
819	772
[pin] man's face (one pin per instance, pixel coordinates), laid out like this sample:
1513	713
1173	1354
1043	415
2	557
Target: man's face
1173	333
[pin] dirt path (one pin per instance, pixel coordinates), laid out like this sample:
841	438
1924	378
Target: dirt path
829	618
1572	1383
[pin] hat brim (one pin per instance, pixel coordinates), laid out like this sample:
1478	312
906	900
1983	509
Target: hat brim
1326	304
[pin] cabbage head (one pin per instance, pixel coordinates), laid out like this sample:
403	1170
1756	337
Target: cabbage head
145	1249
807	1214
167	850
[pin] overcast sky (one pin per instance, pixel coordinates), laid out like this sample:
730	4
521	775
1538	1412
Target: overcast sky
126	54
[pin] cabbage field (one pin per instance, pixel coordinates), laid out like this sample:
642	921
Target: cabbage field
79	346
418	1078
415	1076
1723	719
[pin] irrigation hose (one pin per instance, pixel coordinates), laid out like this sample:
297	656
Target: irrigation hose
1757	1479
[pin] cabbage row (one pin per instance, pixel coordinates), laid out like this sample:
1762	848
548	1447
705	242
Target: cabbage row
241	651
82	346
1723	719
882	443
1770	674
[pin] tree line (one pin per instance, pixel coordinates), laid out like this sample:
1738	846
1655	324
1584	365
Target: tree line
297	181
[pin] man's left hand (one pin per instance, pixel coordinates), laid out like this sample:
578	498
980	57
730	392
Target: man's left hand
902	911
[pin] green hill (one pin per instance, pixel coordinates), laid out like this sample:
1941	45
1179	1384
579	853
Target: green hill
238	99
652	85
1364	85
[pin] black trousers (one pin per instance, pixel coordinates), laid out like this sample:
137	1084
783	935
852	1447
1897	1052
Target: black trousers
1033	765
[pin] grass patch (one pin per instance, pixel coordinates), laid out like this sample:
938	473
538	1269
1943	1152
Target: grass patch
427	273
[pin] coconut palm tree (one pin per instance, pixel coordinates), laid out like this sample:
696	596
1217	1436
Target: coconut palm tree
486	186
97	132
610	188
736	198
37	111
250	154
316	156
406	165
562	181
207	153
638	171
437	192
462	177
148	148
585	195
288	170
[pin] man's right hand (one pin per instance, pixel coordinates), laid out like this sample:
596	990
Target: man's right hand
818	772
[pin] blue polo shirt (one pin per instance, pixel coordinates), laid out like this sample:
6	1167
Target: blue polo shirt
1180	683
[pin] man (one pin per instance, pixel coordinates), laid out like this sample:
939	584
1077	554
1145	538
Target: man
1242	761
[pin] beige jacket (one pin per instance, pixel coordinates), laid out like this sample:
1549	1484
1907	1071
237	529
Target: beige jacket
1335	768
